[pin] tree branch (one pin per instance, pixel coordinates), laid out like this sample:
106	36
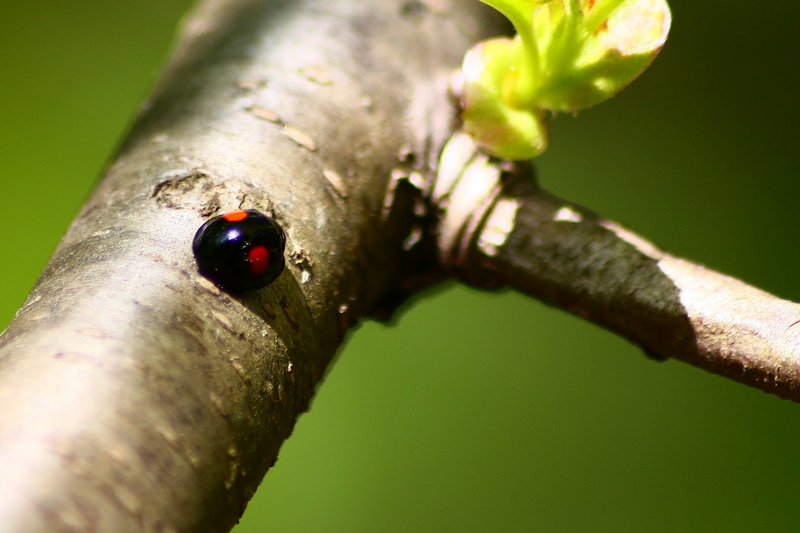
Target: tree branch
137	396
526	238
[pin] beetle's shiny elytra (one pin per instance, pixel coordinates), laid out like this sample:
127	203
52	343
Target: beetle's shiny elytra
240	251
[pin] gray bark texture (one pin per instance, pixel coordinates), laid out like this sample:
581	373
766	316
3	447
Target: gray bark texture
519	235
137	396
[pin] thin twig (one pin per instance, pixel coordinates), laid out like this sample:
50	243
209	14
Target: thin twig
572	258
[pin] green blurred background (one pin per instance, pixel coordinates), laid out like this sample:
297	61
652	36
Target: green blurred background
490	412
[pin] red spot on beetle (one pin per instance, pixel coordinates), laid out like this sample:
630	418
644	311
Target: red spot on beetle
235	216
258	257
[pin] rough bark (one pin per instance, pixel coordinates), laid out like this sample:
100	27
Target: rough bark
499	228
136	395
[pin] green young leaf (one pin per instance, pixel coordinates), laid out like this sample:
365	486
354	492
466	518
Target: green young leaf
506	131
567	55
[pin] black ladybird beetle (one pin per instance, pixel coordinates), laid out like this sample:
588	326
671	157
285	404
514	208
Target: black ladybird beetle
240	251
